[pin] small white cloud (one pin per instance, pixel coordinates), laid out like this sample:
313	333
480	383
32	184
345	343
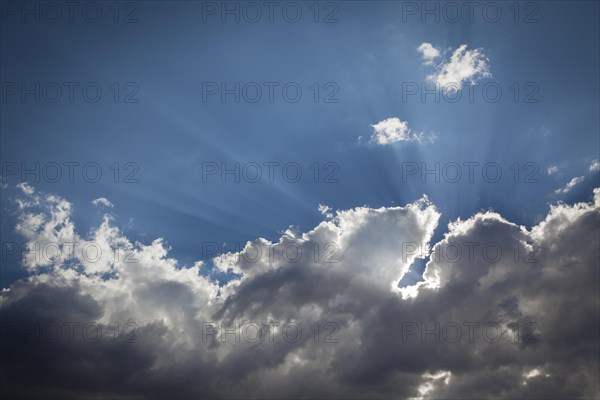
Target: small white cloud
428	52
103	201
595	166
570	185
25	188
464	66
393	130
325	210
552	169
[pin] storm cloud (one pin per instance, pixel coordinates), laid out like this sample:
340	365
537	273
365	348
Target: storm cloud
502	310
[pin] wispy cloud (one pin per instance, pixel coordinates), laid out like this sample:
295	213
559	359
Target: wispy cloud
570	185
102	201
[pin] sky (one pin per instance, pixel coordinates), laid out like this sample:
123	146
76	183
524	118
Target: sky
353	144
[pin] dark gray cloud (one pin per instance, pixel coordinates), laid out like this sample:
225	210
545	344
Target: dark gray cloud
515	315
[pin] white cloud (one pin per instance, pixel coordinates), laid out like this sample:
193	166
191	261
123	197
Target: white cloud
25	188
325	210
464	67
102	201
428	53
552	169
392	130
570	185
595	166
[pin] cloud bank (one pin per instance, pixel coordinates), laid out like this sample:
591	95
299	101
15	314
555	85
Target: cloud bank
503	311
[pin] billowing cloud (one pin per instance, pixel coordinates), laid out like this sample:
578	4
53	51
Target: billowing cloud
464	67
392	130
428	53
552	169
570	185
595	166
103	201
503	311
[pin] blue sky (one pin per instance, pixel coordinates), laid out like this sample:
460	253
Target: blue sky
368	54
179	130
